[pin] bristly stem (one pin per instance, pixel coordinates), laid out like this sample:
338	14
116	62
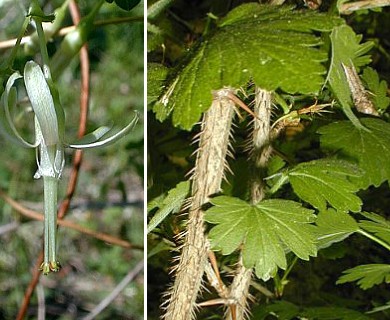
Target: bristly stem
260	153
207	177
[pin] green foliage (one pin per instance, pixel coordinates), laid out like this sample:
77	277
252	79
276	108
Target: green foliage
376	225
333	313
370	148
285	310
272	45
125	4
377	88
157	73
367	275
264	229
326	181
334	227
347	50
171	203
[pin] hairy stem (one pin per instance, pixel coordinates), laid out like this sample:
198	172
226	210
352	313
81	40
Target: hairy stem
261	150
207	177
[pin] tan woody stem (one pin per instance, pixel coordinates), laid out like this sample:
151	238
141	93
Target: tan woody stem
260	148
207	177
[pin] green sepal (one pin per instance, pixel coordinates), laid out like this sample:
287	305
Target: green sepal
36	12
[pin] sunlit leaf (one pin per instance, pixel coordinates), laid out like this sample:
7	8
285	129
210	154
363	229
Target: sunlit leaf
272	45
263	230
326	181
367	275
371	149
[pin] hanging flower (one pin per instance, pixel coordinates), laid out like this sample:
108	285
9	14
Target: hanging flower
49	143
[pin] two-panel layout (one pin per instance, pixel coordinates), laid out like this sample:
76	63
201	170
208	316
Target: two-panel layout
194	159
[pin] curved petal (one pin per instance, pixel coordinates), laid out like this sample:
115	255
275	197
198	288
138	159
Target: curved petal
42	102
81	145
8	128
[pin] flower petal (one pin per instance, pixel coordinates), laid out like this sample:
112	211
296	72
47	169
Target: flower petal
42	102
82	145
7	127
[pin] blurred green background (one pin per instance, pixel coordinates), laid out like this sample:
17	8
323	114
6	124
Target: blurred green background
109	195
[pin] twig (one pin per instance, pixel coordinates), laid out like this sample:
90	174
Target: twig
8	227
41	302
69	224
64	31
348	8
107	300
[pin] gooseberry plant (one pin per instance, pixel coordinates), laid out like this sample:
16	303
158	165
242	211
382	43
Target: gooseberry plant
316	138
39	79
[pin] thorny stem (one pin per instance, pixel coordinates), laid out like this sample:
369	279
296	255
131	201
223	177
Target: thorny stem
207	177
239	290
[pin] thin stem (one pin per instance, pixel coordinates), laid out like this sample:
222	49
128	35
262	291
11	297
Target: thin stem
374	238
290	267
18	41
69	224
50	186
42	46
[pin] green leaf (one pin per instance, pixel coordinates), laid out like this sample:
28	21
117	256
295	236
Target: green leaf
370	148
347	50
172	203
333	313
127	4
377	88
334	227
378	225
272	45
367	275
283	309
326	181
157	74
263	229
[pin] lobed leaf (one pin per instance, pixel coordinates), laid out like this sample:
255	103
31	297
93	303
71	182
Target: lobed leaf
326	181
367	275
171	203
371	149
272	45
263	230
377	88
378	225
347	50
333	226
